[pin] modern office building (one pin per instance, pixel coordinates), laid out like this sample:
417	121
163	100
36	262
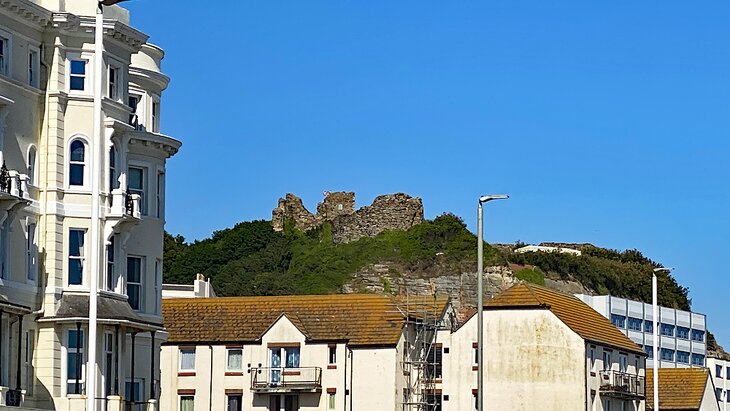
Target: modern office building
49	162
683	334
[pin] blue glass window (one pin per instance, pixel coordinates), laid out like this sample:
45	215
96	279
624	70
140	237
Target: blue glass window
683	332
683	357
667	330
76	256
78	74
76	163
718	371
698	335
649	350
667	354
698	359
634	324
618	320
648	326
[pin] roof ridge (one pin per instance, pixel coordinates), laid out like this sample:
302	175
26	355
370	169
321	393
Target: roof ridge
537	297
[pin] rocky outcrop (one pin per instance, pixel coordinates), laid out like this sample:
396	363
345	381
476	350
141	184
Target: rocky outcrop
387	212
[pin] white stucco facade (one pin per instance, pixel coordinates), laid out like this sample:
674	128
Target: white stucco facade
46	143
720	371
534	361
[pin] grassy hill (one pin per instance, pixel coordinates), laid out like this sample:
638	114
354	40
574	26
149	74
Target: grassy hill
252	259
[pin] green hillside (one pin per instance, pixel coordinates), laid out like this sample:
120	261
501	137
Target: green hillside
252	259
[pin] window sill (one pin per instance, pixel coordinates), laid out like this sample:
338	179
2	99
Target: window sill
234	373
186	374
475	368
331	366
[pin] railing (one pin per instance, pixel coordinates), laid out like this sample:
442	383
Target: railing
13	183
622	385
125	204
286	379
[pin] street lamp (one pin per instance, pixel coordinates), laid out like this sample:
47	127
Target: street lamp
97	150
480	296
655	315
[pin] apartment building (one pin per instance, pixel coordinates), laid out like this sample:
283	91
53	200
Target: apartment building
48	161
682	389
315	352
719	367
542	350
683	334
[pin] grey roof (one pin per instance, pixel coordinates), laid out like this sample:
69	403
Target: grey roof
111	310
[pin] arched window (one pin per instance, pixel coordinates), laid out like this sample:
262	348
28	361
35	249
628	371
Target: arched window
32	165
77	163
112	169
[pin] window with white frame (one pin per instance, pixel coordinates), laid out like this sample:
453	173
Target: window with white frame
114	82
234	402
155	116
34	63
5	53
111	272
593	358
77	74
31	251
32	165
108	363
159	200
75	362
113	183
138	386
606	360
187	403
331	401
76	256
158	283
187	359
134	282
133	103
623	362
332	355
77	163
137	185
234	359
29	347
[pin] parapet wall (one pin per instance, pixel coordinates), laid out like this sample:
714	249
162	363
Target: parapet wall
387	212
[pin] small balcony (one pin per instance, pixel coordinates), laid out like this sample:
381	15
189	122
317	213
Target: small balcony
125	204
13	185
283	380
622	385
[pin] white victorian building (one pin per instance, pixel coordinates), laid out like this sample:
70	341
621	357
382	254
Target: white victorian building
47	238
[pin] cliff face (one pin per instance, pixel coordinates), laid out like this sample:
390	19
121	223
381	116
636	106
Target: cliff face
387	212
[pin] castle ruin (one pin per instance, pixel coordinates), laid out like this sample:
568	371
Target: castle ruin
387	212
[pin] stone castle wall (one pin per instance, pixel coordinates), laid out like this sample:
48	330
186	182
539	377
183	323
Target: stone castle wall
387	212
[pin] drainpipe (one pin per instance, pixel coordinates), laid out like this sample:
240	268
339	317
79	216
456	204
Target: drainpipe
210	386
20	352
153	394
351	374
344	397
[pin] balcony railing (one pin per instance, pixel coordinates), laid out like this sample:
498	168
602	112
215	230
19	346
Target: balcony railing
13	183
622	385
125	204
270	379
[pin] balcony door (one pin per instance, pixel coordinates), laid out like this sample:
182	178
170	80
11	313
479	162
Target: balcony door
282	357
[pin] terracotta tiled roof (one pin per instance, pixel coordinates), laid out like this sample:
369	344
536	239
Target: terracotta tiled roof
361	319
679	388
577	315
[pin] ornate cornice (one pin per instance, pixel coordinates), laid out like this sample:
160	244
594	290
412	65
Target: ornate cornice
121	32
27	11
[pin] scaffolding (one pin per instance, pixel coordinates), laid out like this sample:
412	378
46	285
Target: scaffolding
421	356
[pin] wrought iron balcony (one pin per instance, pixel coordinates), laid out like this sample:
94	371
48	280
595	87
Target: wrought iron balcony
271	379
622	385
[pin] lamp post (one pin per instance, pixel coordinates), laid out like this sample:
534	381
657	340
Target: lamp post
97	146
480	296
655	316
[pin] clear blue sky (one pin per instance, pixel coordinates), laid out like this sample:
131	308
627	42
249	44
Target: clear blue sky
607	122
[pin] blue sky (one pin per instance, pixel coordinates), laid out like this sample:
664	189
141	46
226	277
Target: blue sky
607	122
